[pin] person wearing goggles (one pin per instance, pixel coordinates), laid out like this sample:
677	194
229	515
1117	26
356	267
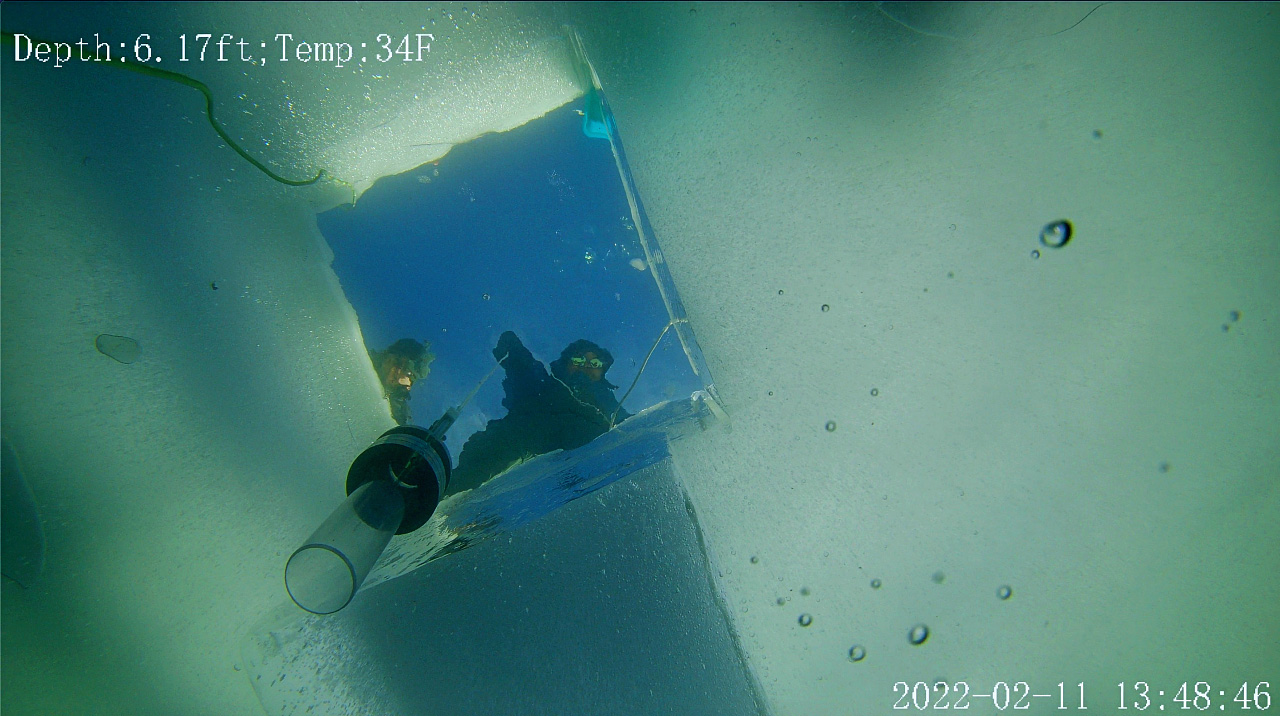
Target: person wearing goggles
563	408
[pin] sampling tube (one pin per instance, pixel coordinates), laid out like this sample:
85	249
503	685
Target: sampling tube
323	575
393	488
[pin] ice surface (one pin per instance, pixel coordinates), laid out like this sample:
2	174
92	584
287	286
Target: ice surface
356	121
1080	427
23	540
172	490
795	157
602	606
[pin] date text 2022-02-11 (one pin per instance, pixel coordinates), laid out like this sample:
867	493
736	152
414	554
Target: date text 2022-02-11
1136	695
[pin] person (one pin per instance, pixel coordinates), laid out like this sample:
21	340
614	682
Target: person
398	367
566	408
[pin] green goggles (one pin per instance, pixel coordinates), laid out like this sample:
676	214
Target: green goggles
584	363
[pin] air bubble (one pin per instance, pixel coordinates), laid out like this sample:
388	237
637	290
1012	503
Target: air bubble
918	634
805	620
831	426
857	653
1004	592
875	584
1056	234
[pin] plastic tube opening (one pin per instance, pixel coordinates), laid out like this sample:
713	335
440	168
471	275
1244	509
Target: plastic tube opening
325	573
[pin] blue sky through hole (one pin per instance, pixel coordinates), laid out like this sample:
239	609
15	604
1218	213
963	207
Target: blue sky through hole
527	230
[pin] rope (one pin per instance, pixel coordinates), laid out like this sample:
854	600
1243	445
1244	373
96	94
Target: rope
642	367
8	38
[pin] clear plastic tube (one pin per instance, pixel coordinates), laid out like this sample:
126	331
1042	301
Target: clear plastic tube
324	574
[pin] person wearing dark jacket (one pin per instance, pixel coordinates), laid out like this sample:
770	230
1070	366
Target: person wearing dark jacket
566	408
